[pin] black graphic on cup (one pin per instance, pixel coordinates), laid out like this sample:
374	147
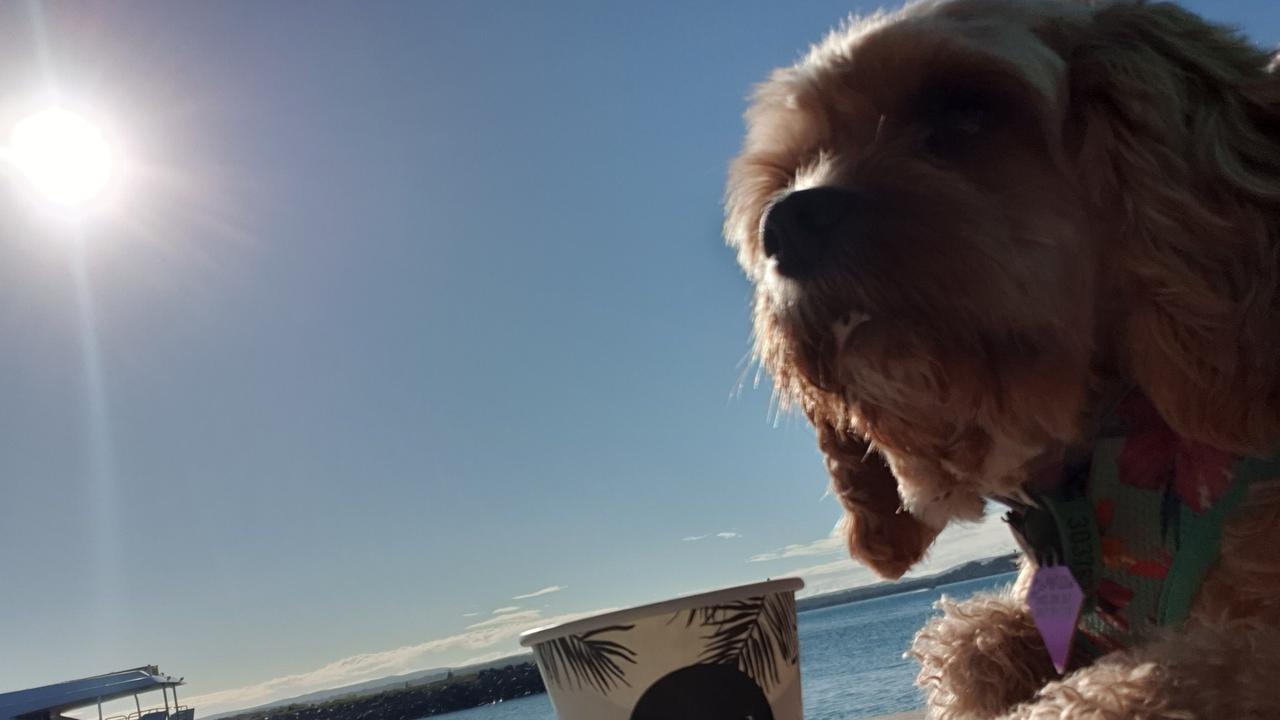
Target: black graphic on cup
731	654
704	692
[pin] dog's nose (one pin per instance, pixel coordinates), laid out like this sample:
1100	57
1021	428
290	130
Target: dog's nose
800	228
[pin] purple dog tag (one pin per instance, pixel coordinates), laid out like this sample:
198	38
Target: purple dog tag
1055	600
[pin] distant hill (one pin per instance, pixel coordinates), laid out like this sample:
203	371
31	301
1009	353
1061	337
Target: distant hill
969	571
383	684
367	687
411	701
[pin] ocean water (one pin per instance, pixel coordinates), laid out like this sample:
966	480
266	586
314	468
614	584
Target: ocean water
851	660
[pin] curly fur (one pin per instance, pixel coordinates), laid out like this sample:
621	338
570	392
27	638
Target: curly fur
1112	217
1224	669
980	657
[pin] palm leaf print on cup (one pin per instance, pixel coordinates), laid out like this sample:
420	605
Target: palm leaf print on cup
587	659
726	654
751	635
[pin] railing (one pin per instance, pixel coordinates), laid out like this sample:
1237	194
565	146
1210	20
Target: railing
181	712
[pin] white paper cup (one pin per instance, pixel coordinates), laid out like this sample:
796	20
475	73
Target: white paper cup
731	654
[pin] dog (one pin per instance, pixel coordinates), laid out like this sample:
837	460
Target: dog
977	231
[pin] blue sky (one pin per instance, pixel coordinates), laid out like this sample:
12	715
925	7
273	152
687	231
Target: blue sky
404	311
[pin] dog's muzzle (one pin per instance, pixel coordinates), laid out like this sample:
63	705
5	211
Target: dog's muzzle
801	228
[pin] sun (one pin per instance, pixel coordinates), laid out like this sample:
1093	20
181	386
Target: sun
64	156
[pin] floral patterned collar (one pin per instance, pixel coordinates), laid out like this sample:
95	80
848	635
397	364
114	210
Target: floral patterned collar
1138	524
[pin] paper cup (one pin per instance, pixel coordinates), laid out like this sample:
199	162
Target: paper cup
729	654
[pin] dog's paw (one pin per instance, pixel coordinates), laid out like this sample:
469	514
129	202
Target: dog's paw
980	658
1226	668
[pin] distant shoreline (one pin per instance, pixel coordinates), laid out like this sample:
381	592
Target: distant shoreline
974	570
460	690
451	689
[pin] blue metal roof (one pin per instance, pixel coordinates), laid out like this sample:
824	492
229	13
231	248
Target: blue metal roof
72	694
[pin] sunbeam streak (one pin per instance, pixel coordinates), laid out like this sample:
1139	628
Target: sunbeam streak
99	456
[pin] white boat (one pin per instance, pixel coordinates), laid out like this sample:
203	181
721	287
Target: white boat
52	701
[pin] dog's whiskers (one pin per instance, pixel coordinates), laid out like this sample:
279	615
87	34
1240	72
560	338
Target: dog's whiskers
748	359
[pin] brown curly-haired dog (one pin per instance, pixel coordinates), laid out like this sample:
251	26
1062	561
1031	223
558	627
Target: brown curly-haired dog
967	222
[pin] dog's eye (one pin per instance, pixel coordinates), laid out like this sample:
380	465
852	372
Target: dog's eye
955	126
966	121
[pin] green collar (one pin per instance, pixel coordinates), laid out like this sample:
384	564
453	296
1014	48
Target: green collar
1139	524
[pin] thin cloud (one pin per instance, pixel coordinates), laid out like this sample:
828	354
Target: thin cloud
721	535
495	655
506	610
471	614
959	543
830	544
485	639
539	593
831	576
825	546
513	616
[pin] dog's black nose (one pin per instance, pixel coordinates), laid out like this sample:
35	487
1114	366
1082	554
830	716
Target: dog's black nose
800	228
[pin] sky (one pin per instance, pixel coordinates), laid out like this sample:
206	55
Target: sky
407	327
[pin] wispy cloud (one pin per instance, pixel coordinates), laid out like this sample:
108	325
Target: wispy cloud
721	535
539	593
511	616
957	544
470	614
505	610
491	638
490	657
825	546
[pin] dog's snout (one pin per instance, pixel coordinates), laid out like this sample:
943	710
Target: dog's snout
800	229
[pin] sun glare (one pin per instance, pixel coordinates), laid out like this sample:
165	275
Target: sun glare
63	155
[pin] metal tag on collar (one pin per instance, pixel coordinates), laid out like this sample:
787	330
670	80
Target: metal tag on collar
1060	535
1055	600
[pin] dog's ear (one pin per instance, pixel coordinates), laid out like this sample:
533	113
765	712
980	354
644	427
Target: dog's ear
879	532
1173	125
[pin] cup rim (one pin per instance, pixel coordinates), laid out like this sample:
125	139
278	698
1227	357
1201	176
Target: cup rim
537	635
